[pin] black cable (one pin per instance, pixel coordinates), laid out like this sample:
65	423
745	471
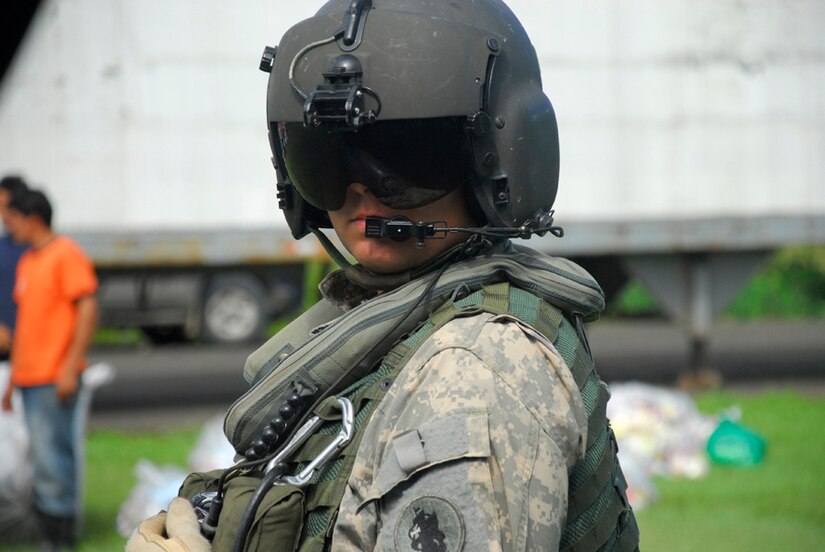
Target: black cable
254	502
210	524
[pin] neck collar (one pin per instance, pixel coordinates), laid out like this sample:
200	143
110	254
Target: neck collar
350	286
43	241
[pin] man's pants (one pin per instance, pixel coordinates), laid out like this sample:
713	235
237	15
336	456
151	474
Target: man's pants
56	431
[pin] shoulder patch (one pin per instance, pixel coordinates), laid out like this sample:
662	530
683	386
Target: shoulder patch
430	524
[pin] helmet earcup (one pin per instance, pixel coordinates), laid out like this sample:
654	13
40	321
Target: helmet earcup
527	144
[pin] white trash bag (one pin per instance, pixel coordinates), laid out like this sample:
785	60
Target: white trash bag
158	485
15	469
213	450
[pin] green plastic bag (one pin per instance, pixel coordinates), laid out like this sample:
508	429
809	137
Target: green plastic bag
734	444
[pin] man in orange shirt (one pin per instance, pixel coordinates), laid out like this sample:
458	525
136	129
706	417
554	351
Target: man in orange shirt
56	318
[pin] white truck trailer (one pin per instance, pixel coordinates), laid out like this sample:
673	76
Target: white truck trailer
692	141
144	123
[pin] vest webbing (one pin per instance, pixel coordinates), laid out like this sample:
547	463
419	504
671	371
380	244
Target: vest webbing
599	516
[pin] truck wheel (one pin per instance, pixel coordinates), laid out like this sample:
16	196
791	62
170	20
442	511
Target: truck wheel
233	309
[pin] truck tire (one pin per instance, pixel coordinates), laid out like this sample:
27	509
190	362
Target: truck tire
233	309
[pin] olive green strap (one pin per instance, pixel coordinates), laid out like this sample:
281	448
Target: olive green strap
323	496
597	499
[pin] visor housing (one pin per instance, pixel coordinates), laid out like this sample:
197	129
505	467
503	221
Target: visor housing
405	163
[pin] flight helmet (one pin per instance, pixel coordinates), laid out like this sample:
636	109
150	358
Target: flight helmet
413	99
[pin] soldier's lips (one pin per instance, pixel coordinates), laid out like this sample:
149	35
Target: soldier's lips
360	220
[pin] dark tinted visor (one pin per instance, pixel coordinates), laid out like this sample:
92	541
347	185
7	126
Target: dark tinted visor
405	163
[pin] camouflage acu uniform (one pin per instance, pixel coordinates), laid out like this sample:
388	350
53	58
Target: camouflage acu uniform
470	449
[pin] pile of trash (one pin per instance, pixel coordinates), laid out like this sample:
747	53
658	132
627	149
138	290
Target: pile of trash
157	485
660	432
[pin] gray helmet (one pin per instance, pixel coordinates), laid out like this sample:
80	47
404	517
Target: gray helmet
413	99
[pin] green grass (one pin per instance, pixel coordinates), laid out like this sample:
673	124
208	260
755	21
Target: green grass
118	336
777	505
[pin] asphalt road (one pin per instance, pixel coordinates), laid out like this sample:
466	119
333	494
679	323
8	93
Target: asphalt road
176	384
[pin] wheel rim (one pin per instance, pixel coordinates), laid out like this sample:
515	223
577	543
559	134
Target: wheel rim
232	313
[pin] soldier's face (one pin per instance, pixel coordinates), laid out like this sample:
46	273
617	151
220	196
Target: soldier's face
384	255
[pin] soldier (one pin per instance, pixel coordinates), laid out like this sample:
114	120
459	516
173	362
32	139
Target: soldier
442	395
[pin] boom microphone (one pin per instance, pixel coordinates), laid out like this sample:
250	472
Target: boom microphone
401	228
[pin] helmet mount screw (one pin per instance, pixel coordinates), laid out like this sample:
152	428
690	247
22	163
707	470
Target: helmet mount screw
500	122
501	191
492	44
268	58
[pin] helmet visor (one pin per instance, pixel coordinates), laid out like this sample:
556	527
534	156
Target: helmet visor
404	163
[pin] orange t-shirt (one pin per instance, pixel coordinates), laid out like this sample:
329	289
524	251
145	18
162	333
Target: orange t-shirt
49	282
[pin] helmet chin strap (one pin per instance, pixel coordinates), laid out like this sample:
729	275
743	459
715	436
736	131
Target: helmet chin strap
329	247
383	282
401	228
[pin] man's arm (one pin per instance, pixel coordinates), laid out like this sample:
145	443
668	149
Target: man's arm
68	379
7	407
5	338
5	345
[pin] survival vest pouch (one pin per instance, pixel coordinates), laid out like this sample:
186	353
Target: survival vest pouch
278	520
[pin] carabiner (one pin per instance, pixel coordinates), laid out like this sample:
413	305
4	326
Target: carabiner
299	438
344	436
305	432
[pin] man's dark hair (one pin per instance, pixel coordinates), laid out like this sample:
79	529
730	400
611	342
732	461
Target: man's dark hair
13	184
33	202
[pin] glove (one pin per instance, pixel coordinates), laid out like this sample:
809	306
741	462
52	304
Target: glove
177	530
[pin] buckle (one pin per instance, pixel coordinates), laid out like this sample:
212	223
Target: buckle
305	432
202	502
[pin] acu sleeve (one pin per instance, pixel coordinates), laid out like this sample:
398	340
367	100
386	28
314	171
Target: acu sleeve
455	461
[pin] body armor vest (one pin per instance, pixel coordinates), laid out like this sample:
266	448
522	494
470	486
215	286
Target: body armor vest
599	516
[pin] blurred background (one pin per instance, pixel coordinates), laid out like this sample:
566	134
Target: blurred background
692	186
